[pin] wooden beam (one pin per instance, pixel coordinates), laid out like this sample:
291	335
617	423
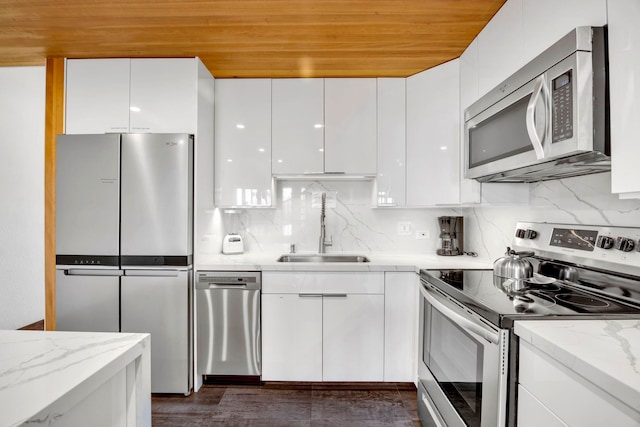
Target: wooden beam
54	125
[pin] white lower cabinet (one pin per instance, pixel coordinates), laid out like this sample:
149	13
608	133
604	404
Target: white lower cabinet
291	337
400	326
556	396
322	326
532	413
352	337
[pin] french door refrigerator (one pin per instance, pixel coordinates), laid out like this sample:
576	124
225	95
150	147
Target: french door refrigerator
124	249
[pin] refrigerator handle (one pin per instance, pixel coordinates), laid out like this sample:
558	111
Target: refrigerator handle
152	273
90	272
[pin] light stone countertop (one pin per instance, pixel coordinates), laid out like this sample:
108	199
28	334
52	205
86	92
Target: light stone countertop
44	373
605	352
378	262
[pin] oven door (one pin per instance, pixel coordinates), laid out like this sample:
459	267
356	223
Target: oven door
462	365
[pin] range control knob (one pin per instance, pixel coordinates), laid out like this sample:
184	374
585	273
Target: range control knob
625	244
605	242
520	233
530	234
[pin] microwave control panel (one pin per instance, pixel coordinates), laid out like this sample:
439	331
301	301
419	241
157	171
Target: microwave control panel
562	111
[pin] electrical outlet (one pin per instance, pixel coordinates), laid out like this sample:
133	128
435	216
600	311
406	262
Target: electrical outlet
404	228
422	234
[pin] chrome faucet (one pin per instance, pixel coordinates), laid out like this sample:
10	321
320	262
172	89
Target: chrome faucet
323	239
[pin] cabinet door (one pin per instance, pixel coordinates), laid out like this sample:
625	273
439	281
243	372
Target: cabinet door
243	142
298	126
469	188
350	126
353	337
433	138
391	142
291	337
97	96
624	75
546	21
500	46
163	95
400	326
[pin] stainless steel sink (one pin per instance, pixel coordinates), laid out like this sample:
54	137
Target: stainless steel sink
322	258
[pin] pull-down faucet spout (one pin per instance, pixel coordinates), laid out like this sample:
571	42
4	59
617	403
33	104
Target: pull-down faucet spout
322	248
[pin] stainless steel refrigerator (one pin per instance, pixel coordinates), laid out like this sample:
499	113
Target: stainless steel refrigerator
124	249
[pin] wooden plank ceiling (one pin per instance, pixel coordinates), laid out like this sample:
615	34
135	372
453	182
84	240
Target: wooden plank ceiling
249	38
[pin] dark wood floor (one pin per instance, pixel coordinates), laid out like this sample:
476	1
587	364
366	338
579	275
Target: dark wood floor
290	404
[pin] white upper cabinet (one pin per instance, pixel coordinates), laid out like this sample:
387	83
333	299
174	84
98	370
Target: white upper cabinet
97	96
298	126
350	126
163	95
131	95
500	46
433	136
547	21
522	29
391	184
324	126
624	85
469	188
243	142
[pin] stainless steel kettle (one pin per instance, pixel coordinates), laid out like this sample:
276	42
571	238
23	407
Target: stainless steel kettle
511	271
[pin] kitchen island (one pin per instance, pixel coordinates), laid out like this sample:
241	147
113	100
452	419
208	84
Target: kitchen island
74	378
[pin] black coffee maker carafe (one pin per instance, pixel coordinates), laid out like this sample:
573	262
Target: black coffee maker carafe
451	239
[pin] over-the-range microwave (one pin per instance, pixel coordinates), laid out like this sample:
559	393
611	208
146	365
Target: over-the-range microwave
549	120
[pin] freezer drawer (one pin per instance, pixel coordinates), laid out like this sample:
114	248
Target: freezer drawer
88	300
88	198
157	199
158	302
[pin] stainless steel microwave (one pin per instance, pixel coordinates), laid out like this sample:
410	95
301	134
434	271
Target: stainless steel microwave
547	121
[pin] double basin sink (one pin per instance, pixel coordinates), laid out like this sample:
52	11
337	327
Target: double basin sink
322	258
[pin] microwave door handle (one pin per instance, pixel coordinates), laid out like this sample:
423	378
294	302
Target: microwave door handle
460	320
530	117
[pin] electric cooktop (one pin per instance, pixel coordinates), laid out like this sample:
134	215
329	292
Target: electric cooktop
582	272
542	296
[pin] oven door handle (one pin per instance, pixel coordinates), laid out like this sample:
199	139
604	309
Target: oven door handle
464	322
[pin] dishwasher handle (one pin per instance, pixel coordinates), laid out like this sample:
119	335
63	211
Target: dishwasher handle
225	284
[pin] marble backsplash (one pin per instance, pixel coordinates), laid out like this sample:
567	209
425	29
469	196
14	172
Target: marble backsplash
357	227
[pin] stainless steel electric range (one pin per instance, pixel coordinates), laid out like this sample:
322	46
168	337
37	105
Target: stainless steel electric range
468	353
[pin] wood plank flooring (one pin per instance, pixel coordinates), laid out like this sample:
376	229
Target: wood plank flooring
290	404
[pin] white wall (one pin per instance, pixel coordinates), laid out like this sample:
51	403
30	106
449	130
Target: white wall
22	106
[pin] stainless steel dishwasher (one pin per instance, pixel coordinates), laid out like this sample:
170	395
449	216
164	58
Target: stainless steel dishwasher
228	336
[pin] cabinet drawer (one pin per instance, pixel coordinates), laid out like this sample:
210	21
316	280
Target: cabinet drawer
322	282
532	413
571	397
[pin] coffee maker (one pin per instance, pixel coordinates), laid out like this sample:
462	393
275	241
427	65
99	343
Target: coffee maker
451	239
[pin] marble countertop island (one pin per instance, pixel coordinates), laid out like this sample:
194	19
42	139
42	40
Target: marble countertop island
605	352
72	378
